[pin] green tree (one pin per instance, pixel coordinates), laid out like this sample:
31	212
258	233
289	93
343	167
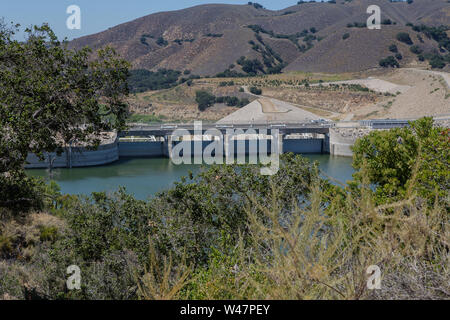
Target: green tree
437	62
416	49
393	48
243	102
389	62
204	99
255	90
252	66
51	96
141	80
395	159
404	37
161	41
232	101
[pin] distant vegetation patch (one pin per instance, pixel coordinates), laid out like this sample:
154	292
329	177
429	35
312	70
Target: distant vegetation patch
143	80
438	34
144	39
256	5
388	22
255	90
161	42
271	59
357	25
206	99
145	118
393	48
250	66
226	83
214	35
231	74
307	38
180	41
415	49
233	101
436	59
389	62
272	63
405	38
356	87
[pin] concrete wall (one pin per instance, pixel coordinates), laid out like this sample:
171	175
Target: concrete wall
342	139
341	145
251	147
141	149
297	146
105	154
240	147
193	151
303	145
341	149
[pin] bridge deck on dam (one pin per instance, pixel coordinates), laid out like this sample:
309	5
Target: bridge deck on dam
283	128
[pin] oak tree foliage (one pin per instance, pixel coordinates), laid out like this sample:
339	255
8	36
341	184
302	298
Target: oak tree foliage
52	96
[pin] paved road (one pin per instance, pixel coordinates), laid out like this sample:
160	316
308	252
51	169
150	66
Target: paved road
268	106
332	113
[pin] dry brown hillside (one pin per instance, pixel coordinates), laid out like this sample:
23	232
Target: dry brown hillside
207	39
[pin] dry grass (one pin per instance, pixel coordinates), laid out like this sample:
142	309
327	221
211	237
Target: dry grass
312	253
178	103
162	281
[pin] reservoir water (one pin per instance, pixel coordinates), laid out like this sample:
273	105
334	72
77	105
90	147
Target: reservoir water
144	177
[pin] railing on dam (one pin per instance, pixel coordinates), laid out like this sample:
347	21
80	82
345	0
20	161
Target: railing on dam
287	127
397	123
317	126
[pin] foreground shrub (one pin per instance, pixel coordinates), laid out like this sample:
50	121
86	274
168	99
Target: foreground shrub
306	254
231	233
391	157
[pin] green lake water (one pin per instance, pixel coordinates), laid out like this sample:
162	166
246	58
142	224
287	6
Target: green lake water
144	177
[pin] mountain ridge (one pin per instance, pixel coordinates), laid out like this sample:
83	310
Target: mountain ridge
208	39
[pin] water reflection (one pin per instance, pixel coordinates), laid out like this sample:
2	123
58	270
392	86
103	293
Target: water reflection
145	177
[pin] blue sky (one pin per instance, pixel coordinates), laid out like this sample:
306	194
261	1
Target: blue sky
99	15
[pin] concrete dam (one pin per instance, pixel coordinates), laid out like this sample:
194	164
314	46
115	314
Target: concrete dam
160	141
229	140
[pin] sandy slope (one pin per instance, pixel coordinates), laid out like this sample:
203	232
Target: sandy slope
273	111
374	84
428	94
